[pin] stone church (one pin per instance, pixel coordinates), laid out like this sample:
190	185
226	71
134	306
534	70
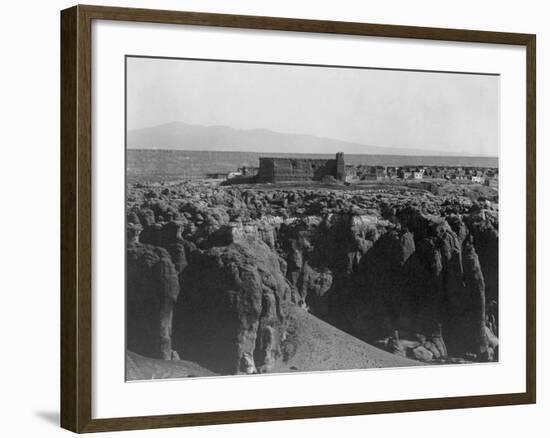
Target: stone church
301	169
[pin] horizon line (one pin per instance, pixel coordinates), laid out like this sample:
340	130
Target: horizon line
313	153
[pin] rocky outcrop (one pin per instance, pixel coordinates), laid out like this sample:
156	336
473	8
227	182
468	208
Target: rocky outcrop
232	313
474	305
381	302
483	226
422	281
414	272
151	291
323	253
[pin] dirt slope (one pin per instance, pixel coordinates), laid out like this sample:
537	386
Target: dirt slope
144	368
314	345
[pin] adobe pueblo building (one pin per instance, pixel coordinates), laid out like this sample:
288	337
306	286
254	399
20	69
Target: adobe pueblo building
301	169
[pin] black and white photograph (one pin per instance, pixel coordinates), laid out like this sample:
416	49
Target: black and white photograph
288	218
275	219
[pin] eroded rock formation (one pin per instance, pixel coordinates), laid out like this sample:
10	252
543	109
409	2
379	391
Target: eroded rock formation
414	273
232	311
152	289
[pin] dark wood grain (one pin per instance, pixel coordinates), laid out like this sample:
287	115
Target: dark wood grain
76	250
300	25
76	222
69	328
304	412
531	218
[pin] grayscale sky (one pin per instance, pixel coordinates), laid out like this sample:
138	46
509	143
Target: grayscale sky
418	110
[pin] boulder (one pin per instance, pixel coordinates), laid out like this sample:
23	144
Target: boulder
151	292
422	353
233	307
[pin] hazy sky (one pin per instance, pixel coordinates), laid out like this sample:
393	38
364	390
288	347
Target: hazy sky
418	110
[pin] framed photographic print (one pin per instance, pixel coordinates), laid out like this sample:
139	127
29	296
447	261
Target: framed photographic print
271	218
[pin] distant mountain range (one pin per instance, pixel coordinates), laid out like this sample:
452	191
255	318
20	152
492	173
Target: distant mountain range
184	136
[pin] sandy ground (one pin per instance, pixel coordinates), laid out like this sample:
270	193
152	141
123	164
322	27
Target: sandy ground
312	345
144	368
319	346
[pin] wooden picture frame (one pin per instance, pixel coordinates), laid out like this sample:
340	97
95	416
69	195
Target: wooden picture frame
76	217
